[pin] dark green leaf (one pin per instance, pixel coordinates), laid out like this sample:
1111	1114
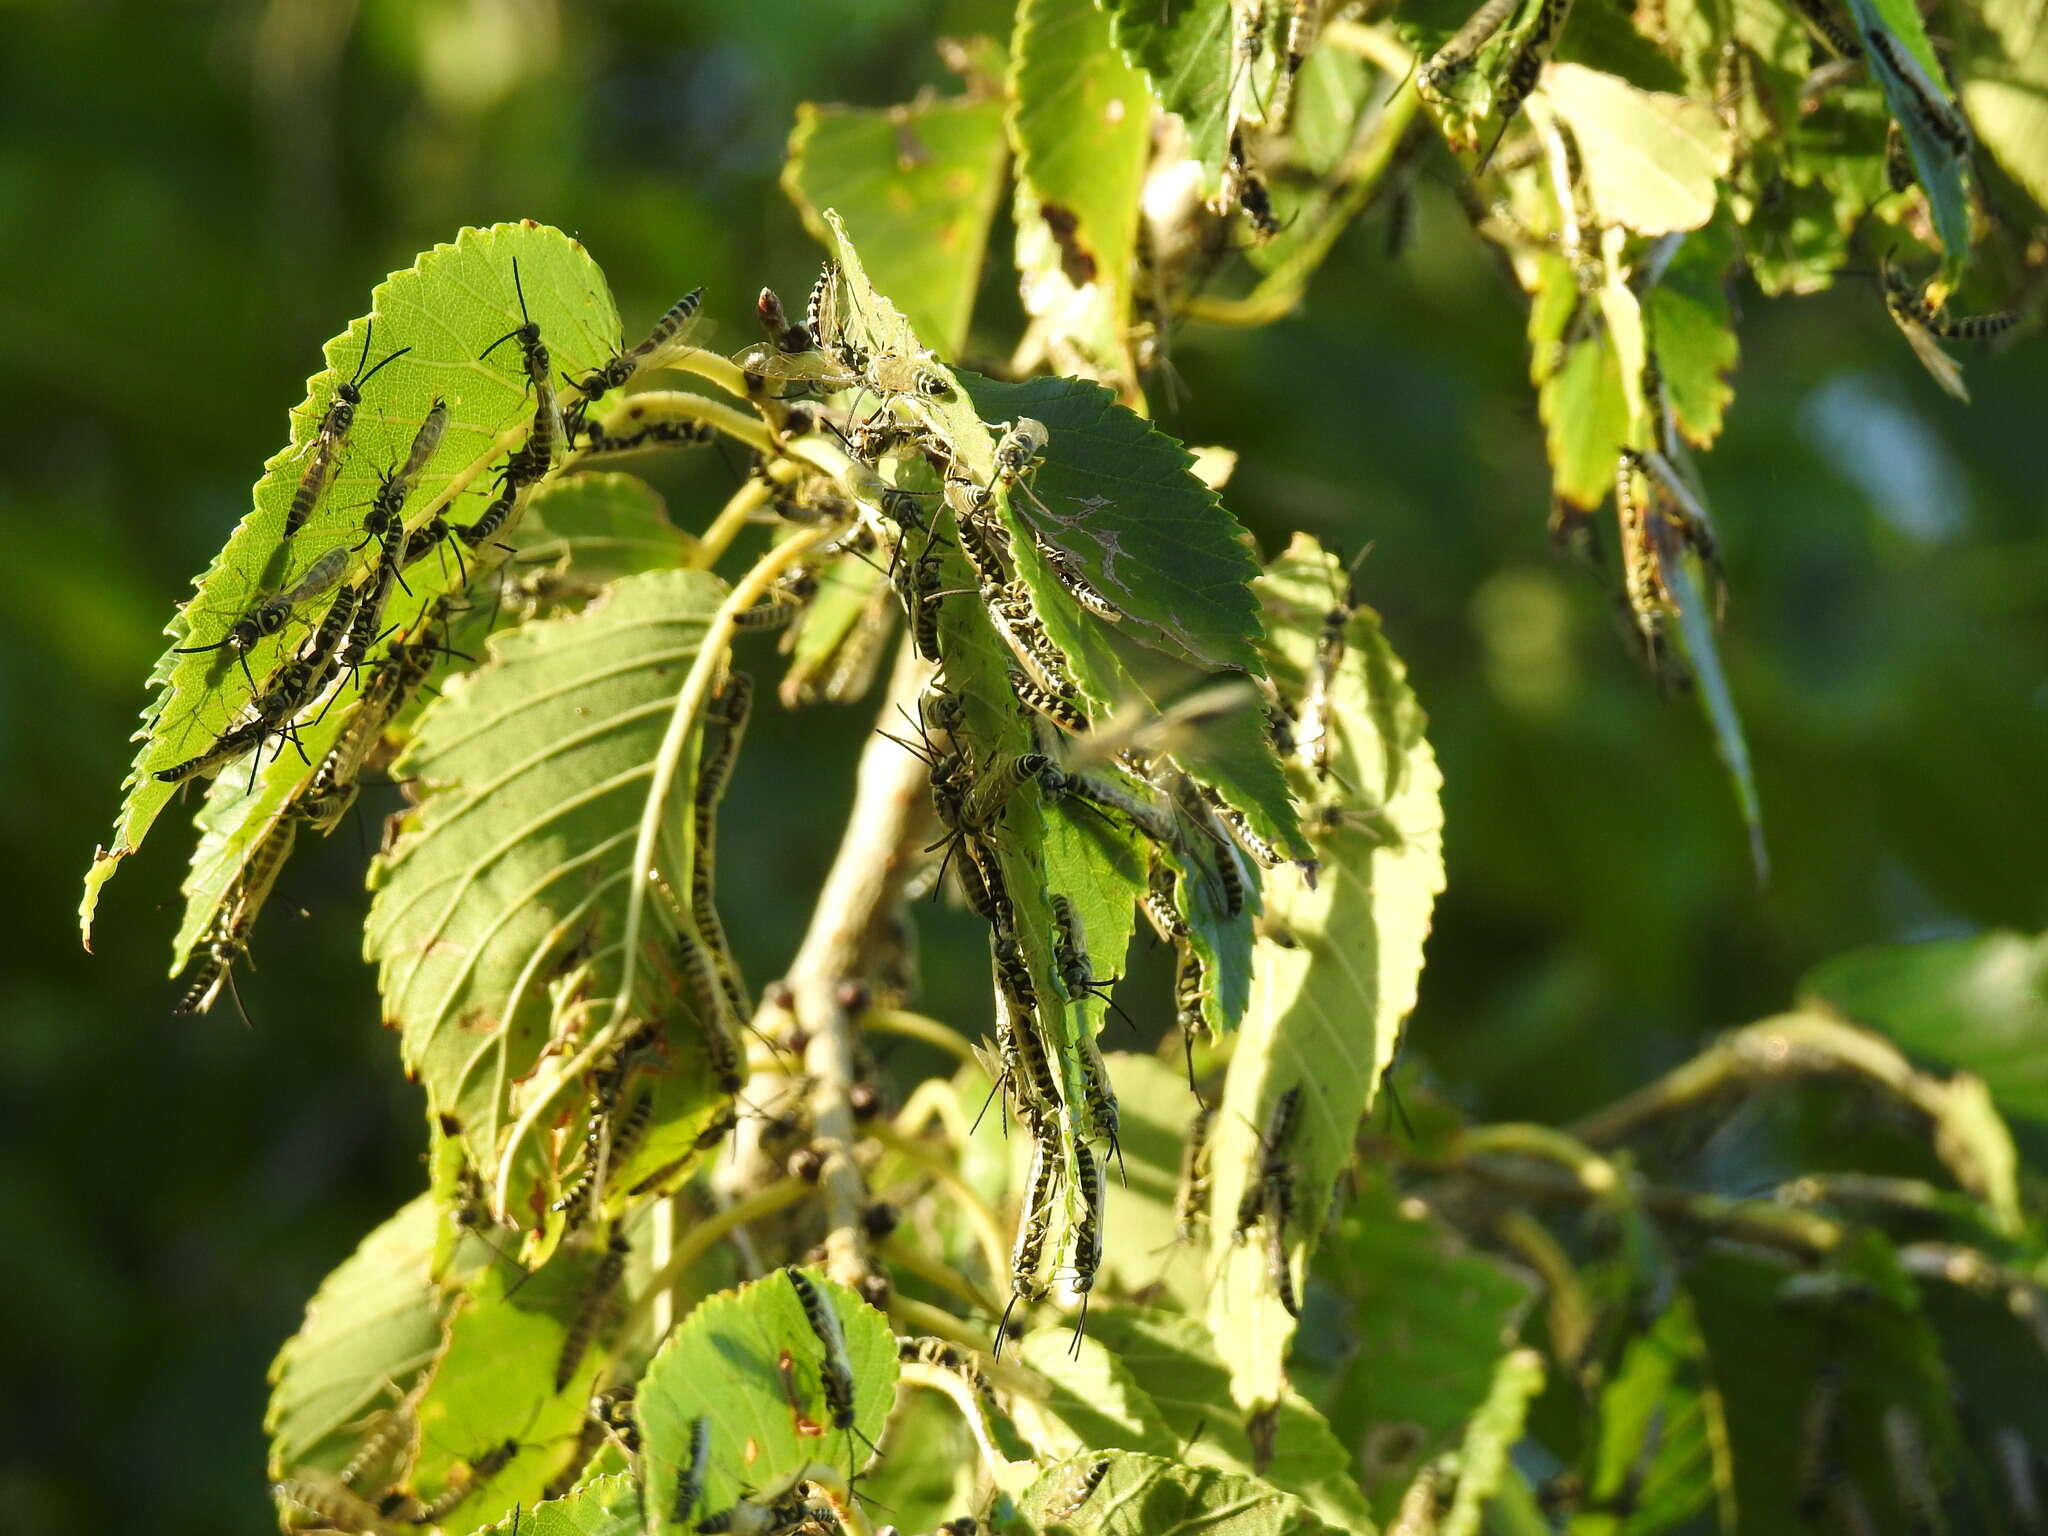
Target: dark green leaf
1772	1340
1980	1004
1185	46
1431	1321
1174	1360
1120	497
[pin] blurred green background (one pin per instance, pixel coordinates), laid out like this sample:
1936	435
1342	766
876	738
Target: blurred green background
196	196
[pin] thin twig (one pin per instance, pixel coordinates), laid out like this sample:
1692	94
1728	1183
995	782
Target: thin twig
915	1026
995	1245
697	1240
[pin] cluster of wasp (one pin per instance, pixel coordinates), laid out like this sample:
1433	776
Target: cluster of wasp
1199	852
355	638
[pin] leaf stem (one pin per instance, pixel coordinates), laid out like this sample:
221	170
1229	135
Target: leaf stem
995	1244
657	405
710	367
1968	1135
738	511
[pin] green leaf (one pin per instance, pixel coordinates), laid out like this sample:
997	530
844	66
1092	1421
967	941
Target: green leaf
724	1365
1979	1004
1431	1321
1336	976
932	1471
1769	1339
2005	88
1081	123
494	1383
448	308
1147	1257
509	901
373	1326
1585	418
921	184
1137	1495
1938	170
1185	46
1092	1403
1693	332
1653	160
588	529
1174	1361
1653	1461
1683	572
1482	1462
604	1506
1121	498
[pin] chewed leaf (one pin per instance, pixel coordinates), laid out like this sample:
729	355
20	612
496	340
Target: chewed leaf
747	1363
1336	975
1121	1493
1120	497
921	182
509	901
444	312
1081	118
370	1330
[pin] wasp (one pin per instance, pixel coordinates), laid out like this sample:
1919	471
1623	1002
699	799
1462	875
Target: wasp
332	433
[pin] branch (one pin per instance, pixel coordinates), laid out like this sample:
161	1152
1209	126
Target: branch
866	881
